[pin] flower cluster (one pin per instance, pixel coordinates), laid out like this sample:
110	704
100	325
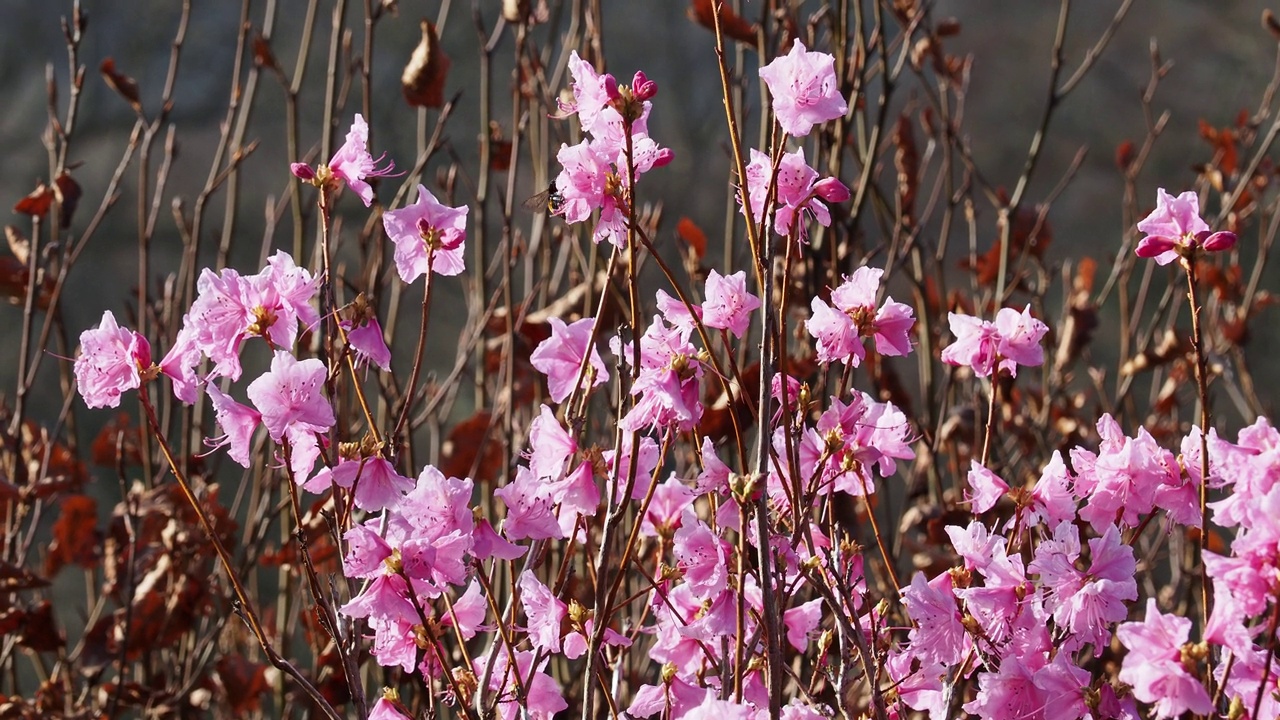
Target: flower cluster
1012	340
854	314
598	171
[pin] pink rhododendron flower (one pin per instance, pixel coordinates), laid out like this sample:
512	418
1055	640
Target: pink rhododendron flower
292	405
801	621
428	236
1175	228
230	308
545	613
853	438
366	551
666	510
1154	664
352	163
530	508
1052	499
1019	339
179	364
592	93
985	488
804	89
855	314
1123	478
367	344
238	422
542	699
702	556
468	612
728	305
1012	340
667	386
289	394
1086	603
618	465
799	192
560	358
939	635
678	695
386	709
376	483
111	361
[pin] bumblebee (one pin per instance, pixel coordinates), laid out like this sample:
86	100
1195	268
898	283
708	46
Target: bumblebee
550	199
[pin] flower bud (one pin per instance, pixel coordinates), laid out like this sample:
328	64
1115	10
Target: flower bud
1222	240
831	190
302	171
642	87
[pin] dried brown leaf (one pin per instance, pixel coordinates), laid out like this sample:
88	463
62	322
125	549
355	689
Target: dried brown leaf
125	86
424	76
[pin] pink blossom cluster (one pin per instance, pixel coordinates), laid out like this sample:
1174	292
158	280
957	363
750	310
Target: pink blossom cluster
855	313
1012	340
597	172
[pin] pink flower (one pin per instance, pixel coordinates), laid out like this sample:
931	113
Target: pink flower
1019	342
589	182
289	394
728	305
111	361
666	510
353	163
366	551
1012	340
703	557
939	635
1154	665
804	89
667	386
857	314
986	488
293	407
1009	692
545	613
238	422
386	598
542	698
592	93
180	365
530	509
376	483
369	347
560	356
438	505
799	192
1052	499
975	345
230	308
468	612
428	236
1175	228
801	621
386	709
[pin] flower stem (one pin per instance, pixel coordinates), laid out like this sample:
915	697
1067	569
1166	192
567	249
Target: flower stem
1202	384
245	607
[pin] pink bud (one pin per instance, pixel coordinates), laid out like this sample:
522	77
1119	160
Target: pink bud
642	87
664	156
302	171
611	87
1153	245
831	190
1221	240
